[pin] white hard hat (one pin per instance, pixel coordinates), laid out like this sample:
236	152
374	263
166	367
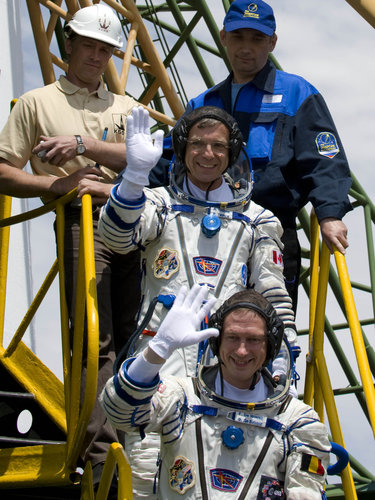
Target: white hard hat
99	22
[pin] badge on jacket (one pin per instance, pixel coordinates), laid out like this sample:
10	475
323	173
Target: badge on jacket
225	480
182	475
271	488
327	144
207	266
277	258
166	263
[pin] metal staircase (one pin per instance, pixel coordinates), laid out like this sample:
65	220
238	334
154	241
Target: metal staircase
162	36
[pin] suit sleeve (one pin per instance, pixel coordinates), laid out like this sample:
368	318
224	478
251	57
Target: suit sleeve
156	406
307	455
265	263
322	165
126	225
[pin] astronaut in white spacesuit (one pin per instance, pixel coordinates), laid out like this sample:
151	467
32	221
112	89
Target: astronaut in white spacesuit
203	228
232	431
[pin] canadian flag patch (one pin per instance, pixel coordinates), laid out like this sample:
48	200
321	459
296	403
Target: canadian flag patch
161	387
277	257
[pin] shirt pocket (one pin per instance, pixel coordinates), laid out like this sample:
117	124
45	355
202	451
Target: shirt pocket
261	136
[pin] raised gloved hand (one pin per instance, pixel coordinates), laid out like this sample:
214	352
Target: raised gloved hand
142	153
181	326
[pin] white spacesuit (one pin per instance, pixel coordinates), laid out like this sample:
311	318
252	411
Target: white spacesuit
219	238
229	246
213	446
244	253
174	411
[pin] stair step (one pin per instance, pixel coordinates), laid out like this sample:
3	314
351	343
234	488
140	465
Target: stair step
47	493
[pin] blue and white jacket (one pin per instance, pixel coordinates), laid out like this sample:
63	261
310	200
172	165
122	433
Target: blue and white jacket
296	153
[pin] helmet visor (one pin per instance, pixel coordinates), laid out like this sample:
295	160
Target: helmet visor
238	176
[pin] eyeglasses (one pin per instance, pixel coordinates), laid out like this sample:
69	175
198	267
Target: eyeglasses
218	148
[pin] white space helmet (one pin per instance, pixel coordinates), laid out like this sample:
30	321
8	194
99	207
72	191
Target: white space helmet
99	22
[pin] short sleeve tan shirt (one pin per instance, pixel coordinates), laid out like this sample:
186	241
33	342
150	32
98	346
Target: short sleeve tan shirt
62	108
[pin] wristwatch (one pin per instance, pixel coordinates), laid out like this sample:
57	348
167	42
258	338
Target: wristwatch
80	149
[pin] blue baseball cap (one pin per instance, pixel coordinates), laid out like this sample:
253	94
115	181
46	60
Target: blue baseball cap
256	15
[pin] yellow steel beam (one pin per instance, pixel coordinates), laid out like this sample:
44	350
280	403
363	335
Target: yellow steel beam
5	210
366	8
308	394
357	337
41	41
132	38
154	59
17	337
116	83
322	371
39	465
37	379
79	417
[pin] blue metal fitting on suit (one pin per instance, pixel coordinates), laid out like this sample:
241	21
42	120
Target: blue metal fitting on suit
211	225
232	437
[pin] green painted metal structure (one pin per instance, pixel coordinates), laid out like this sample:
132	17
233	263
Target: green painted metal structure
192	57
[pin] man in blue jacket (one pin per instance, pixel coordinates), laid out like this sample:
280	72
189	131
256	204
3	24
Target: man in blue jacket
296	153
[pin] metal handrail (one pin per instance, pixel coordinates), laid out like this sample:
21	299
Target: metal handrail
350	310
356	333
5	209
116	456
77	414
116	459
317	383
322	376
78	418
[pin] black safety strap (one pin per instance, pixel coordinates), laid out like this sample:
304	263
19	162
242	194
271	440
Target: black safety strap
198	433
256	466
202	475
230	260
184	251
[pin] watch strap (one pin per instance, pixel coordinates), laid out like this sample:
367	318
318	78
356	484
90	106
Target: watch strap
80	149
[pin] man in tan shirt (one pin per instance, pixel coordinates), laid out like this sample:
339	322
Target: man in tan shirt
59	128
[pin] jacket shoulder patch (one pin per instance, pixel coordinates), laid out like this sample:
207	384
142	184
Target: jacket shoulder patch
327	144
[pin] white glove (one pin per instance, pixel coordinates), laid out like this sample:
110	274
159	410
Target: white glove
142	153
291	335
181	326
281	362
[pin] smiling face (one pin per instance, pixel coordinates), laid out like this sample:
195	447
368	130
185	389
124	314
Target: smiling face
243	346
207	155
247	51
88	59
